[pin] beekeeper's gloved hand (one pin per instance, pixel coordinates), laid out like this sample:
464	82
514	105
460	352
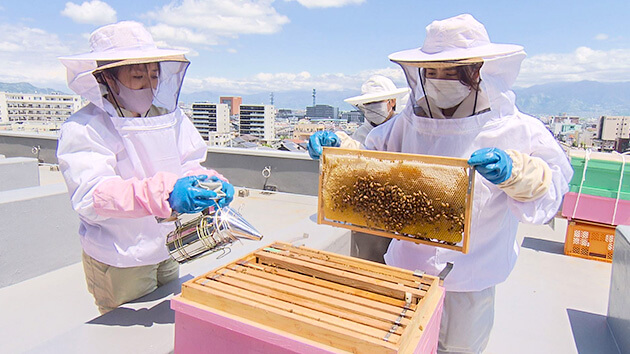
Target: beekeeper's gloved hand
187	197
320	139
492	163
227	189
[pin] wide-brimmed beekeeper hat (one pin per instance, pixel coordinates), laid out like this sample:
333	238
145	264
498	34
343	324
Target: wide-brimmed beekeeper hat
118	44
456	40
126	41
377	88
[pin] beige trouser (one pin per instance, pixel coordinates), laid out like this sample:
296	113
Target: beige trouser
112	286
467	320
367	246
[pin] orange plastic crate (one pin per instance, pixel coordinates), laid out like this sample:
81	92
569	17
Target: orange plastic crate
590	240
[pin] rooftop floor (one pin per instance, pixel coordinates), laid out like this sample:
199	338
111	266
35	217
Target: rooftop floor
551	303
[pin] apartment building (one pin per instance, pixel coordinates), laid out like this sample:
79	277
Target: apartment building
212	120
34	107
258	121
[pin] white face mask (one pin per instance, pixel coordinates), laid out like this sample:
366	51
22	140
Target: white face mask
446	93
375	112
138	101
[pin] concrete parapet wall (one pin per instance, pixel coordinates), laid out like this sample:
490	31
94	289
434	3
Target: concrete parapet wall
38	233
21	144
18	172
290	172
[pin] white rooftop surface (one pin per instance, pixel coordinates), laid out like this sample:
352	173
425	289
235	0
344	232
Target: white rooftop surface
551	303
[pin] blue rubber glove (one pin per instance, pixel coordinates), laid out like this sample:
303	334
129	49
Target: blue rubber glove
493	163
187	197
228	189
320	139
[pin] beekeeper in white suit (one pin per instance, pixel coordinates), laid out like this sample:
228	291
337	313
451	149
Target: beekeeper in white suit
128	156
378	101
461	106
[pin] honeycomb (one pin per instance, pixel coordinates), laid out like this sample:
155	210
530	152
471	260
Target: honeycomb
422	197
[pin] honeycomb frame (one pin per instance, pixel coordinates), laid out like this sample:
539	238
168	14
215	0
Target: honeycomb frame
417	210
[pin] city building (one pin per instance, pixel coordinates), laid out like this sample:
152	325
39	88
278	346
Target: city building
258	120
613	132
322	111
283	129
353	116
284	113
561	125
304	128
220	139
29	107
233	103
613	127
212	120
585	137
564	119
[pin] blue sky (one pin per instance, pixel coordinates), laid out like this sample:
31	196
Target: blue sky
255	46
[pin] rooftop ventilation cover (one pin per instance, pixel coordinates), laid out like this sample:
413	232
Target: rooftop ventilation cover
418	198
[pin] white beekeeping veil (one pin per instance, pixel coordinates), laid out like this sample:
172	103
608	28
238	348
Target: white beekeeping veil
462	40
375	91
120	44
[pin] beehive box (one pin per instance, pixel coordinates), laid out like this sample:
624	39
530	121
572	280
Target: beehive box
604	173
600	188
596	209
418	198
282	299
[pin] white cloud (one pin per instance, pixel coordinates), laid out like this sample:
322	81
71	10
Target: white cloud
93	12
281	82
30	55
232	51
207	21
180	35
601	37
582	64
9	47
327	3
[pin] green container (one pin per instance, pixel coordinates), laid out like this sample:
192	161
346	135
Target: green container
602	177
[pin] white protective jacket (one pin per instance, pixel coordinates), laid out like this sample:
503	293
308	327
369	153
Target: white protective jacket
493	248
361	133
121	170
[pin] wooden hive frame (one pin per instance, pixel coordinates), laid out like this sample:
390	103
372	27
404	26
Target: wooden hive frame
403	157
344	303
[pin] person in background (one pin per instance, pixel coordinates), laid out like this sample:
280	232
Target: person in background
461	106
129	156
377	102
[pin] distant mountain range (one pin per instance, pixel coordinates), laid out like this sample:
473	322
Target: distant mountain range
25	87
588	99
